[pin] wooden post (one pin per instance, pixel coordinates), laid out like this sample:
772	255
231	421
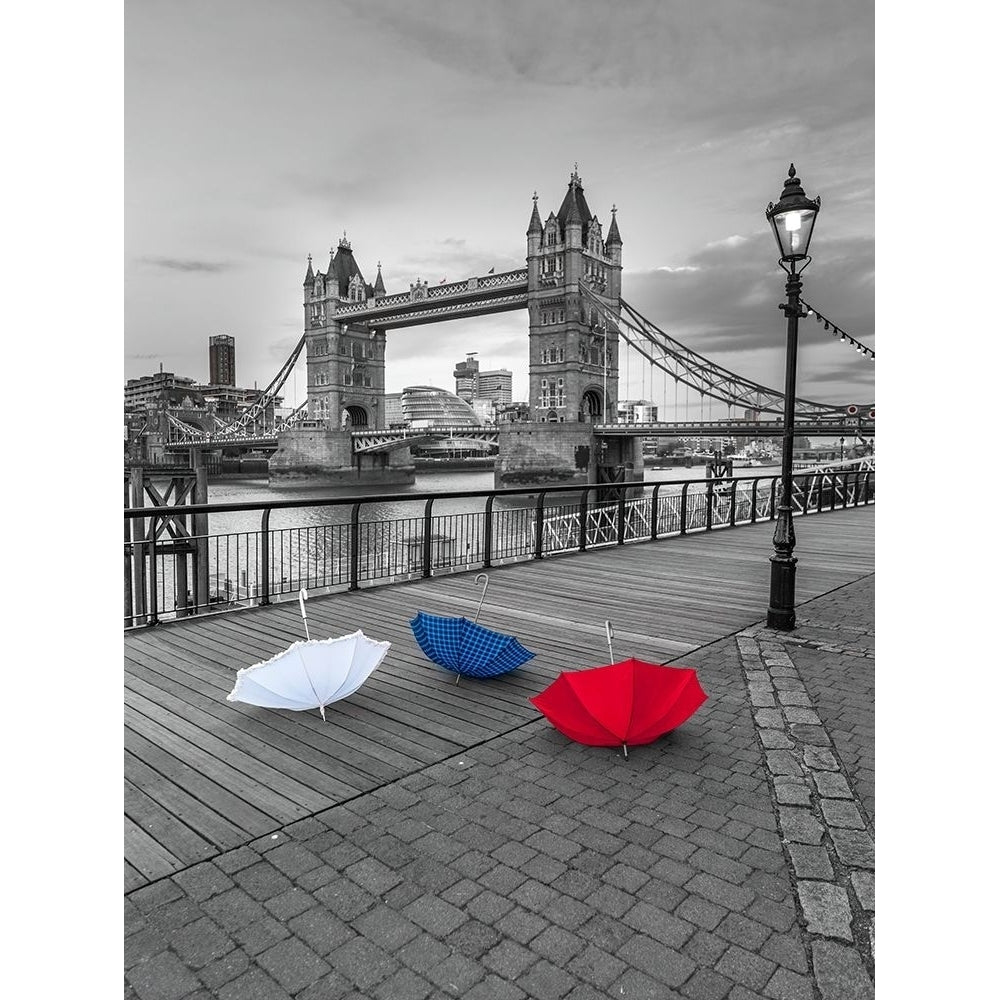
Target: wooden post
138	550
200	530
181	602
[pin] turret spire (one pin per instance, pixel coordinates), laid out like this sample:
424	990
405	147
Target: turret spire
535	225
310	277
614	237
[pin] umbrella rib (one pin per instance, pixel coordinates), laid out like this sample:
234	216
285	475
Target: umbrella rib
319	701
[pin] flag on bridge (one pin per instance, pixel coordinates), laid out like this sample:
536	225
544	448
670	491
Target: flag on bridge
490	271
442	281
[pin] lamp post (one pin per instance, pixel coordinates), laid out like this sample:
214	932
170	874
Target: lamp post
841	449
792	220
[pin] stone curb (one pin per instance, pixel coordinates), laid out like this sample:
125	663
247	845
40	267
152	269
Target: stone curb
828	843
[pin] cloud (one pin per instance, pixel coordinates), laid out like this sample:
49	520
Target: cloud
188	265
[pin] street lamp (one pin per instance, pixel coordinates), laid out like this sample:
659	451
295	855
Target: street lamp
792	220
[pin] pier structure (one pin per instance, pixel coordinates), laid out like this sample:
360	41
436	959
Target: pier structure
440	838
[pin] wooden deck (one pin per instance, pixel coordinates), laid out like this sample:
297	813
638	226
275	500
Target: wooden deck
203	775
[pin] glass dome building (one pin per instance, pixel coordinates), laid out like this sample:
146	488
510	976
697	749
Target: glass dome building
428	406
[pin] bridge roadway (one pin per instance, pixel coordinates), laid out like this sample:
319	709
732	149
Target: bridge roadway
373	440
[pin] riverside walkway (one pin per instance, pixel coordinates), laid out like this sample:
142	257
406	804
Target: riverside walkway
442	840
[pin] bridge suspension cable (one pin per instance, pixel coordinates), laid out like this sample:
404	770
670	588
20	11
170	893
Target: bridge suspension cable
250	416
697	372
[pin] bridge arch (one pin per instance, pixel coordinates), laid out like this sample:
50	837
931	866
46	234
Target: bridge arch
355	416
592	405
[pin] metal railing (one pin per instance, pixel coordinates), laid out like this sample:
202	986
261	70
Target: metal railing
174	567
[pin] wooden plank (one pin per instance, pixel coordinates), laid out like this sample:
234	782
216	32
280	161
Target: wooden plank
190	811
146	855
134	879
297	757
166	829
233	752
355	767
385	761
216	797
236	774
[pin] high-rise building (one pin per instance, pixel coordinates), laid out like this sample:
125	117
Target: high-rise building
222	360
471	383
496	386
466	374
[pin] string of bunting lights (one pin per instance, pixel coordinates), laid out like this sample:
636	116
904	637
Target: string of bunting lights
828	324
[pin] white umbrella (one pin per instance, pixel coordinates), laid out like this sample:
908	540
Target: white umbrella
310	674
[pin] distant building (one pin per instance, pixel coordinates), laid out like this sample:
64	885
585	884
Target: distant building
394	410
164	388
222	360
496	386
514	413
471	383
466	375
637	411
485	409
428	406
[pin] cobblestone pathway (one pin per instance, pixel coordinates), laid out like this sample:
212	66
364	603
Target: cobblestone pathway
731	859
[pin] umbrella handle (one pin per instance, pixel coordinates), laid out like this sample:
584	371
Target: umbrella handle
303	595
611	634
486	582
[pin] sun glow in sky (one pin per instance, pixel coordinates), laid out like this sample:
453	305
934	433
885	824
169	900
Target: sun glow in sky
257	133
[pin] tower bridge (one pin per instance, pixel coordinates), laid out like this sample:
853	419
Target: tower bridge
578	324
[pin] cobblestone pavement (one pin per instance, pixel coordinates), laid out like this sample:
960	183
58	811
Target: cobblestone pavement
733	858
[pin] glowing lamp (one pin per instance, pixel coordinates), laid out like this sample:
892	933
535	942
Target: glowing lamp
792	219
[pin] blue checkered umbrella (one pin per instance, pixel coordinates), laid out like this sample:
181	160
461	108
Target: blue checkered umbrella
467	648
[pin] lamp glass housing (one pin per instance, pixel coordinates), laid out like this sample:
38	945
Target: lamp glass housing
793	228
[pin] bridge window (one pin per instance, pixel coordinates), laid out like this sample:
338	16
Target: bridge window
348	377
550	238
562	355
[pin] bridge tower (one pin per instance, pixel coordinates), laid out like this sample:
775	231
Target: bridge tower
573	354
345	362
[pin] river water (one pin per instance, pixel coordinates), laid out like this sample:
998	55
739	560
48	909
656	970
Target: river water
259	490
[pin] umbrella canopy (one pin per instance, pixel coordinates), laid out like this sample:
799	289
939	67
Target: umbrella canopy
467	648
627	702
310	674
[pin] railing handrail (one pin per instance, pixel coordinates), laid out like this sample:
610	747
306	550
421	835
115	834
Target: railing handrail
373	498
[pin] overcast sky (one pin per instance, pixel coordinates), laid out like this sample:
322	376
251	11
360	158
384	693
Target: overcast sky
258	132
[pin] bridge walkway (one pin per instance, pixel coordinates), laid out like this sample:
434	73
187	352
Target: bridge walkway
204	776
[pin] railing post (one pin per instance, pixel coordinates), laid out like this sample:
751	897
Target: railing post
753	501
684	507
427	537
732	505
153	599
843	504
265	557
655	513
354	546
488	532
584	514
709	503
868	478
774	488
621	518
539	525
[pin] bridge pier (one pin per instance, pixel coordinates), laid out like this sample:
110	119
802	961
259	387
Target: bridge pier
540	453
316	456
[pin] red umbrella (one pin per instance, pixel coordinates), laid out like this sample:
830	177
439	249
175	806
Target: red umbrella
627	702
